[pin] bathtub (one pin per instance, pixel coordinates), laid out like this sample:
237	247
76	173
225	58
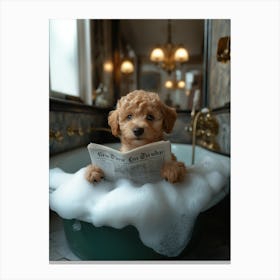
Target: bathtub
105	243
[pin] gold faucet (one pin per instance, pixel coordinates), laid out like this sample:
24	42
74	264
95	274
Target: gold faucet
204	128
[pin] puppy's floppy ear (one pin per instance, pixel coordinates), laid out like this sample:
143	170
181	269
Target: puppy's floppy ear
169	118
113	121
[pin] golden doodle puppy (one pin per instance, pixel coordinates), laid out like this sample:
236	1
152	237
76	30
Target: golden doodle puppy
141	118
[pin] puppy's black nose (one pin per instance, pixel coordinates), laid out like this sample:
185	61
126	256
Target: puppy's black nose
138	131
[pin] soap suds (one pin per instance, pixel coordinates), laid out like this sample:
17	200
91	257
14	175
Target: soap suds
163	213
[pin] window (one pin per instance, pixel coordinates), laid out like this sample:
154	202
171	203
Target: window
70	63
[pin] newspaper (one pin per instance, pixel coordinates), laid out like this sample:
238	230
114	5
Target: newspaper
141	165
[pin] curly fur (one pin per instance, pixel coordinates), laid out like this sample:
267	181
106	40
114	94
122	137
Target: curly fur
143	111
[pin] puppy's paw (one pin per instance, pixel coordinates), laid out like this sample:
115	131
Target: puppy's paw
173	171
94	173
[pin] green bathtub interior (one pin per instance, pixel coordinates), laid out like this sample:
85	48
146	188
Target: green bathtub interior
106	243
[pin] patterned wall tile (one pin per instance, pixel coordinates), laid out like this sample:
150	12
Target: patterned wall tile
61	121
79	123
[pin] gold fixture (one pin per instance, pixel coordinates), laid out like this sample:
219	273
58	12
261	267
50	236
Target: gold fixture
126	66
168	55
128	56
72	131
223	50
204	127
56	135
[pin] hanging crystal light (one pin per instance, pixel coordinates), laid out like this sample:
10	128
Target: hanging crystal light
168	55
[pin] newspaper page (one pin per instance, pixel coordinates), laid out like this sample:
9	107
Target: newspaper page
141	165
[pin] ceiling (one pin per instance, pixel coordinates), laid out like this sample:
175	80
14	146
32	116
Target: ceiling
143	35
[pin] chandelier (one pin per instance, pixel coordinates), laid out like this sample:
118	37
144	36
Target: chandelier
168	55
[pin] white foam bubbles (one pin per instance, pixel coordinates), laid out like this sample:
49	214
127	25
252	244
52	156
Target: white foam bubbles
163	213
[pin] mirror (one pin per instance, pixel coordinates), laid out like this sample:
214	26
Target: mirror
127	55
175	82
180	59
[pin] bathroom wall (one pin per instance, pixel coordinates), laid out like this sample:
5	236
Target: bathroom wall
179	133
74	129
63	118
74	126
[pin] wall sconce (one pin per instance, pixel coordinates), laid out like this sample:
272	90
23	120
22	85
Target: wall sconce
108	66
127	67
168	84
181	84
175	84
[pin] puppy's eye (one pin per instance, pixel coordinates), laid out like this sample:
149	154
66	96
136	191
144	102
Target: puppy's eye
150	117
129	117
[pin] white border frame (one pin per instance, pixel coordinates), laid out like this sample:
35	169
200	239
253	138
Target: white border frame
255	138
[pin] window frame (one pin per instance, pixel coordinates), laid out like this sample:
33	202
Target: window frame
85	71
